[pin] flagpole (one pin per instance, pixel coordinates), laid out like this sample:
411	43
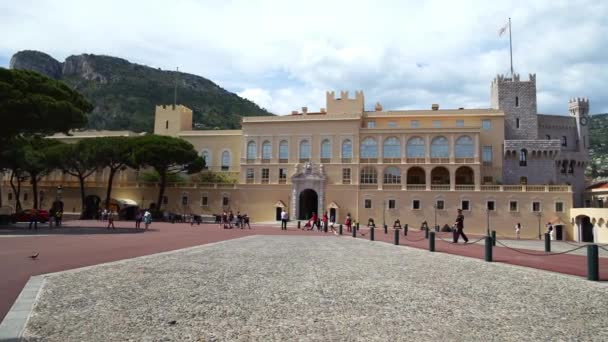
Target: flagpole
510	48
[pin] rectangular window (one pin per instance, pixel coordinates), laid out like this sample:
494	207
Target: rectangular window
459	123
415	124
204	201
265	176
491	205
436	124
250	176
440	205
559	207
465	205
368	204
392	204
513	207
184	200
488	179
282	176
516	101
486	124
346	176
536	207
392	124
371	124
416	204
486	155
225	201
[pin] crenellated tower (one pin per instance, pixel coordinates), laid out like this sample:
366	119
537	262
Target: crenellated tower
517	99
579	109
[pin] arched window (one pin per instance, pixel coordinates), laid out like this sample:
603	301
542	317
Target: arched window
464	147
266	150
283	150
523	157
325	149
369	148
392	175
304	150
415	148
347	149
207	157
392	148
225	161
369	175
440	148
251	150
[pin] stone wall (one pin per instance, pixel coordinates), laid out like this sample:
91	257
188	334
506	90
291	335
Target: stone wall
518	101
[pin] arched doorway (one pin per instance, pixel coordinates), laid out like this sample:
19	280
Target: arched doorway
440	175
586	228
465	176
309	204
416	175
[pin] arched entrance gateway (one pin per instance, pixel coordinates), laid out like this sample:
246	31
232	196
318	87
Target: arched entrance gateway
585	227
308	191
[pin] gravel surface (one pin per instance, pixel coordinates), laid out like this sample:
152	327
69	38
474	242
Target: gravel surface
273	288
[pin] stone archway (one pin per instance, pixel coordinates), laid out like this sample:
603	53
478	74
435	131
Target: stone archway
585	227
307	176
308	204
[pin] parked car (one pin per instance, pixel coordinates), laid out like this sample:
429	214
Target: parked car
26	215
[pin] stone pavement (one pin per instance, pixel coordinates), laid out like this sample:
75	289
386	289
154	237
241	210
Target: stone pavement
277	288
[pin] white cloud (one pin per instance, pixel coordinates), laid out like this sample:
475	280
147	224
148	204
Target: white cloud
284	55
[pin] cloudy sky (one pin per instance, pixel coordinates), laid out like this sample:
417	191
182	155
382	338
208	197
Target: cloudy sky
285	54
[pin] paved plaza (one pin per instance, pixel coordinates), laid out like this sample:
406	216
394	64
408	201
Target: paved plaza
315	288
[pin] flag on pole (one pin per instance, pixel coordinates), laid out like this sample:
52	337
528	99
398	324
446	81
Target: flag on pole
503	29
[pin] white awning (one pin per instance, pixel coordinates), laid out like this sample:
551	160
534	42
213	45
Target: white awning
126	202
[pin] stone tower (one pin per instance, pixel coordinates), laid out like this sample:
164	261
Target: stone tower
517	99
171	119
579	109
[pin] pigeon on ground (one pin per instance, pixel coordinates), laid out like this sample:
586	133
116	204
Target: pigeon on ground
34	256
172	322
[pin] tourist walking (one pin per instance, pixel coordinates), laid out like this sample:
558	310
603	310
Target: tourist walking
517	230
325	219
460	227
348	223
284	220
138	219
246	221
111	219
315	221
550	231
147	219
58	217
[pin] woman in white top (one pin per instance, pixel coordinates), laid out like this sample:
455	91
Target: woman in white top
517	230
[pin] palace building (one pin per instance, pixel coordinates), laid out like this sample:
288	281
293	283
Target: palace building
502	165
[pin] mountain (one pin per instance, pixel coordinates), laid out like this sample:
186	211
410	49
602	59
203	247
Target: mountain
125	93
598	140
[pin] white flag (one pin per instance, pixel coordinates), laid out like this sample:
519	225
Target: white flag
503	30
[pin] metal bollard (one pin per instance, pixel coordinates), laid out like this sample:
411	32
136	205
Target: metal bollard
357	225
426	233
354	233
488	248
371	233
405	230
397	237
298	224
593	265
547	242
432	241
325	227
493	238
385	229
340	229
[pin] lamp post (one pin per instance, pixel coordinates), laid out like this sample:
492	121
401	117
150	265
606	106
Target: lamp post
488	220
539	215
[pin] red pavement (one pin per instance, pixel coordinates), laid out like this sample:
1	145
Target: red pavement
63	252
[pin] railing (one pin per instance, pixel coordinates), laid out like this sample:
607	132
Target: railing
517	188
249	181
347	160
265	181
558	188
464	160
368	160
463	187
346	181
490	188
325	160
391	160
536	188
486	163
368	186
440	160
250	161
416	187
282	181
440	187
304	160
283	161
415	160
265	161
391	186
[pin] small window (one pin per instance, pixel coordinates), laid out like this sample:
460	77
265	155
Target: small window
465	205
165	199
559	207
523	158
523	180
440	205
392	124
346	176
491	205
486	124
250	176
225	201
167	124
536	207
371	124
184	200
392	204
459	123
517	123
564	141
415	124
488	179
513	206
282	176
265	176
416	204
486	155
436	124
204	201
516	101
368	204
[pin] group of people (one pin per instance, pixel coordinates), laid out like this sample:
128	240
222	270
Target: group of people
142	215
550	230
228	220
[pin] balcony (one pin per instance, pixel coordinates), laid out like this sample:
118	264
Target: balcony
368	186
265	161
325	160
440	160
440	187
391	187
467	187
282	180
265	181
283	161
347	160
415	160
304	160
464	160
368	160
415	187
391	160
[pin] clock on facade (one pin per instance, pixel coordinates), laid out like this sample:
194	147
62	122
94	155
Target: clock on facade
584	120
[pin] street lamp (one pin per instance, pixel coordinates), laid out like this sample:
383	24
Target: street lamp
539	215
59	190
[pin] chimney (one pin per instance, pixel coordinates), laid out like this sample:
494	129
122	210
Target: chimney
435	106
304	110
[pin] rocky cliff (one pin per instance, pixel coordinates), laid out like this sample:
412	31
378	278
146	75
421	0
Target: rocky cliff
125	93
